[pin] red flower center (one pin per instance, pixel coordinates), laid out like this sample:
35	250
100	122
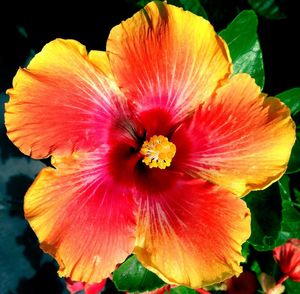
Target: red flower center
135	148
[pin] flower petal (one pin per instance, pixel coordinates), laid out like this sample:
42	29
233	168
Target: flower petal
158	64
192	235
84	221
81	287
95	288
288	258
268	284
100	60
241	139
62	102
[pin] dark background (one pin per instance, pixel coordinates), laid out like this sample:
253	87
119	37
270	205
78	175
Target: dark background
24	30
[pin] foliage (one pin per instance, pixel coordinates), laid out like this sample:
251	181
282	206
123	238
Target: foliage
268	8
131	276
245	51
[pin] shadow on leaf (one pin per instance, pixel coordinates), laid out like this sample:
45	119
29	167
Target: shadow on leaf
16	188
31	251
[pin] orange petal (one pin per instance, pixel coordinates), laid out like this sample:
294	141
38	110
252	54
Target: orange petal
100	60
84	221
167	58
192	235
241	139
62	102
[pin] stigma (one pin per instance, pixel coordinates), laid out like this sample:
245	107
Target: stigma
158	152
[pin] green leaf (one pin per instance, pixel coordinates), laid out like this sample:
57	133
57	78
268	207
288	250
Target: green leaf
143	3
241	37
292	287
267	263
290	214
292	99
190	5
255	267
183	290
274	216
295	188
265	207
267	8
131	276
246	250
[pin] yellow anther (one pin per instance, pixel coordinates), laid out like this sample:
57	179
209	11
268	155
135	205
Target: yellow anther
162	156
158	152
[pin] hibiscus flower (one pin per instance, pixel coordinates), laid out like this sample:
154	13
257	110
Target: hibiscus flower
288	258
152	144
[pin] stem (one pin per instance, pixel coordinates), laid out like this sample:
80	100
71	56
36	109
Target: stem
282	279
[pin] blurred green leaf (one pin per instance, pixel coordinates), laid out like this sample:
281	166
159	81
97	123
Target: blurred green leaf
190	5
22	31
255	267
32	53
143	3
275	217
241	37
267	263
265	207
131	276
292	99
292	287
290	214
295	188
246	250
183	290
267	8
